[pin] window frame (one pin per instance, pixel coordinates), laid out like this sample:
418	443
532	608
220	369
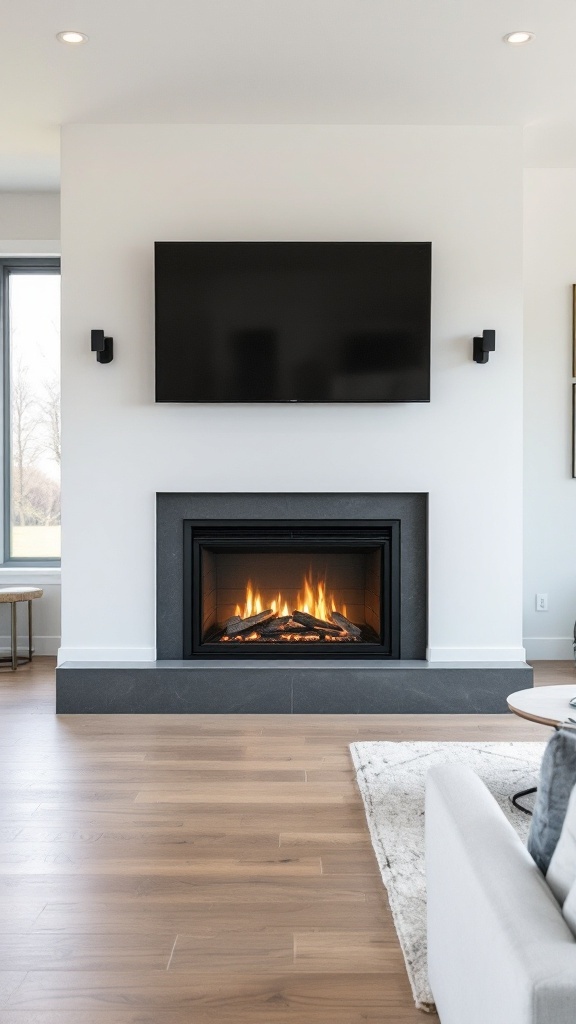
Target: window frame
9	265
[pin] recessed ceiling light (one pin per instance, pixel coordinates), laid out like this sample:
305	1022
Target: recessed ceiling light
517	38
74	38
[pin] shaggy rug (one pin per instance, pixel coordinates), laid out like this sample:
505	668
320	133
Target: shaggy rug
391	777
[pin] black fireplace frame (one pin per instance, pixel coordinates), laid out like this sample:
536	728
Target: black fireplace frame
304	536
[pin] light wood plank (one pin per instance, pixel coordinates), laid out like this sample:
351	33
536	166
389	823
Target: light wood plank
181	867
325	840
258	952
110	917
274	793
362	952
243	996
121	951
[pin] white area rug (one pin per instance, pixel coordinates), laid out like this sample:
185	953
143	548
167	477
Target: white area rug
391	777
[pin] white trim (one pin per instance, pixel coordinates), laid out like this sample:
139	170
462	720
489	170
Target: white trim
106	654
40	645
549	648
28	247
18	576
476	654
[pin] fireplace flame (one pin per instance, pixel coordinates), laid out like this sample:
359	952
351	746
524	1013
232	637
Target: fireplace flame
312	598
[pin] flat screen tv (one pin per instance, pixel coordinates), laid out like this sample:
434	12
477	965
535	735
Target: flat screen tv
292	321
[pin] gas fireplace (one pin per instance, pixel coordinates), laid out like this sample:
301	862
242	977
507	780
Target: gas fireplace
291	589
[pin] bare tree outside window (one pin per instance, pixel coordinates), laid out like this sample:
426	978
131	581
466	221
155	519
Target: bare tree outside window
34	347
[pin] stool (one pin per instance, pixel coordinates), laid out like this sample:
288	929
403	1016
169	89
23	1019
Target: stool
12	595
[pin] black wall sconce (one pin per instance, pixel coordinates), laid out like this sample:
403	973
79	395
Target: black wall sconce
483	346
103	347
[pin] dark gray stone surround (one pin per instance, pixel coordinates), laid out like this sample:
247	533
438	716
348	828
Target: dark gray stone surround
173	509
171	685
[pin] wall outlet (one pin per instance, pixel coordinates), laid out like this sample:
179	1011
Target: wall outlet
541	602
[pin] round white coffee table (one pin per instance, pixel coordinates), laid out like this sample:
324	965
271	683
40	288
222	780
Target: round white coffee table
547	705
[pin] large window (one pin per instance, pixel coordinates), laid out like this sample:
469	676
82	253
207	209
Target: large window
30	300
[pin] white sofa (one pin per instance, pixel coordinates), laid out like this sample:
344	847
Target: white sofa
499	949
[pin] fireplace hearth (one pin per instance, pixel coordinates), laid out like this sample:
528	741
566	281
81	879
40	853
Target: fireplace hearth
291	589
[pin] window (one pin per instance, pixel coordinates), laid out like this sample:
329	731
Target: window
30	303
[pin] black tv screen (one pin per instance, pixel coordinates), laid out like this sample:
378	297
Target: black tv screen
292	321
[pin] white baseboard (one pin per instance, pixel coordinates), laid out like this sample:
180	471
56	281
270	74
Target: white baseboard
476	654
549	648
40	645
106	654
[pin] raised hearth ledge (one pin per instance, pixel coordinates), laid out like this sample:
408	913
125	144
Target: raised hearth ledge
282	687
481	655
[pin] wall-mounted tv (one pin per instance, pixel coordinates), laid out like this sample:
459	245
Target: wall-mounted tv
292	321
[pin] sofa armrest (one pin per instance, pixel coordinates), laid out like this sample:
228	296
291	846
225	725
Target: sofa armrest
499	949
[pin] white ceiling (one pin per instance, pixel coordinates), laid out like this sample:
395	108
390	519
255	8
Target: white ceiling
275	61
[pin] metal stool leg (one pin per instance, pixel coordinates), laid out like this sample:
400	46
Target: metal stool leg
29	630
14	637
523	792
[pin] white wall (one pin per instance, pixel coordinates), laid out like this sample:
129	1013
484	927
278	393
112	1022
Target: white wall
29	226
550	491
29	223
123	187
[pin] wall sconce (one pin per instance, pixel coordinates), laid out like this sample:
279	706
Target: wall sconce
103	347
483	346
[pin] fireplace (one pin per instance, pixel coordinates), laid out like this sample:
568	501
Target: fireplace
360	559
270	589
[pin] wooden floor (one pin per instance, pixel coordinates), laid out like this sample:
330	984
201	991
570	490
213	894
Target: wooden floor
186	870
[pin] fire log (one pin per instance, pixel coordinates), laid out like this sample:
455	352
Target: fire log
343	623
233	628
277	625
315	624
283	624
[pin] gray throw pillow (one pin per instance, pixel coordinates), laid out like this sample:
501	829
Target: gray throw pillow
557	778
561	874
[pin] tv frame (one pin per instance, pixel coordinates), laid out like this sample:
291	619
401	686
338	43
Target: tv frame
294	401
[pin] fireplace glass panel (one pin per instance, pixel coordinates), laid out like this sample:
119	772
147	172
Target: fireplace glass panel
315	589
250	584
